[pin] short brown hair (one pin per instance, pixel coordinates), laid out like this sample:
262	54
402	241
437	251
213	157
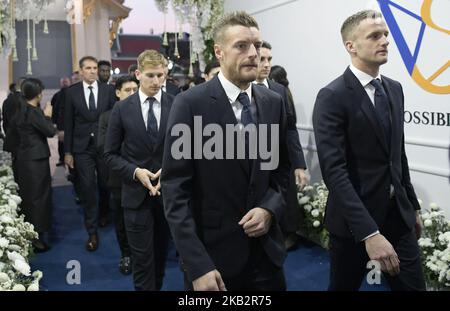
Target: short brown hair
353	21
150	58
85	58
266	45
239	18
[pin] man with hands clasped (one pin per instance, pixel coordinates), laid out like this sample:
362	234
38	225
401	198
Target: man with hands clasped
134	149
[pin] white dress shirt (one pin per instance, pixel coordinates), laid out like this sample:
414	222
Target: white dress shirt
264	82
87	92
145	106
365	80
233	92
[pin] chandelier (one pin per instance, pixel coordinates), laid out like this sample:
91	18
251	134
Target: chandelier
31	11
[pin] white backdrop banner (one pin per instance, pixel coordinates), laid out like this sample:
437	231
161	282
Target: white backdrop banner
305	36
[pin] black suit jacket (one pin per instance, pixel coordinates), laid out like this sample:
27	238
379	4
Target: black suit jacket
357	164
113	178
294	146
172	89
205	199
10	107
128	145
79	122
34	128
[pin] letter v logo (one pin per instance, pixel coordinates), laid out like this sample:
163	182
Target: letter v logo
410	57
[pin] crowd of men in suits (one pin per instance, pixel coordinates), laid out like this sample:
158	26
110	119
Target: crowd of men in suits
228	218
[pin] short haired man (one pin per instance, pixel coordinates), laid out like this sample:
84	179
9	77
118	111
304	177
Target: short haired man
125	86
372	209
104	71
223	213
134	150
211	70
85	102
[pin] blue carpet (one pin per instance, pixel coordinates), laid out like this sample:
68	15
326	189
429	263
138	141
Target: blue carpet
306	267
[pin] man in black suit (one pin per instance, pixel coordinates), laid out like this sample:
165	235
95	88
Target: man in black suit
9	109
372	210
58	99
134	149
85	102
166	85
290	223
125	86
223	211
104	71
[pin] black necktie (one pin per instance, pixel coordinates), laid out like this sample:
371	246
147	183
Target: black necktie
382	107
152	124
91	99
246	118
246	114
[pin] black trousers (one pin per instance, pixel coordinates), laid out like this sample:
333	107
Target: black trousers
148	236
348	259
119	223
88	165
61	151
260	274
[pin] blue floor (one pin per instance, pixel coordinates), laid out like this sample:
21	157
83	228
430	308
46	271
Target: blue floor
306	267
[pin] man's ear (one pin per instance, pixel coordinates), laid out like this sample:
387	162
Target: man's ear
218	51
350	47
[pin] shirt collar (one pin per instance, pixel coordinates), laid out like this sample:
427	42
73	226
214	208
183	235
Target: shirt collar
264	82
94	85
363	77
143	97
232	90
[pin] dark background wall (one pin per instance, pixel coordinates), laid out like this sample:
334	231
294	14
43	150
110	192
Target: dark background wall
54	52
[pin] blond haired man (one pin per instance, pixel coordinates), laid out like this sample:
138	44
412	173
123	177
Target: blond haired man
134	149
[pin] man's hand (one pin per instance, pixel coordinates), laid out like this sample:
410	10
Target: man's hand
48	110
379	249
158	185
61	136
144	177
301	179
211	281
256	222
68	159
419	225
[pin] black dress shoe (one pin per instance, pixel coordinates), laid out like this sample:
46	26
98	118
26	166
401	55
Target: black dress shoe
92	243
40	246
125	265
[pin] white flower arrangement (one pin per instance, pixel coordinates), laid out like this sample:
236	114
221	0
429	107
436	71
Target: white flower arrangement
312	201
15	236
435	247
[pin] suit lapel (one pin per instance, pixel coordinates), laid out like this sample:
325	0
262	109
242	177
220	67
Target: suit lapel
164	116
82	101
395	111
140	125
360	95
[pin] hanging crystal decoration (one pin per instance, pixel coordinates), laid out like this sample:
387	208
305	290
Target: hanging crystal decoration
34	57
176	53
45	27
29	71
165	41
